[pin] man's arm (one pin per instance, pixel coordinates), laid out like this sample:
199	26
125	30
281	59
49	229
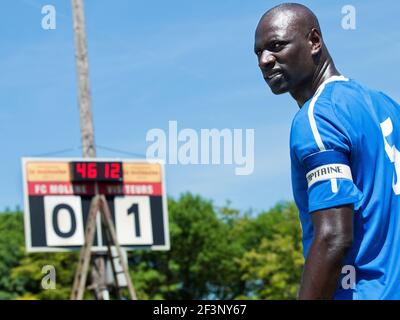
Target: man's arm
333	236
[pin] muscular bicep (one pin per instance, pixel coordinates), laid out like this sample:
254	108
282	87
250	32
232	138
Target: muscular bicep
334	224
332	239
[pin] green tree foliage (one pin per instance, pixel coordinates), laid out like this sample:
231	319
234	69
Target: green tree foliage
224	255
29	274
202	260
11	251
216	253
273	267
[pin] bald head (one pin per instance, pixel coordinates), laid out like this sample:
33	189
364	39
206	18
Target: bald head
294	15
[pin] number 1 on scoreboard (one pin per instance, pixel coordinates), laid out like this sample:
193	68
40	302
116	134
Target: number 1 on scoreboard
133	220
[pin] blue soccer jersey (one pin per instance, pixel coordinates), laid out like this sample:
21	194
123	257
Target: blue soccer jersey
344	148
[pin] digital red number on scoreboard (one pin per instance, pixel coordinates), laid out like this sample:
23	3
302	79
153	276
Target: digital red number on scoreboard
97	171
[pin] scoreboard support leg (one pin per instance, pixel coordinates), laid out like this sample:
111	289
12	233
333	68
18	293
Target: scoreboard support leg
99	202
112	238
98	285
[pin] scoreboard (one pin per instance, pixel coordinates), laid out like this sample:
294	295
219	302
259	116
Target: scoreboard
58	193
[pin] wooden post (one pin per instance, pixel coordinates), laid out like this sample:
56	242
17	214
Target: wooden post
86	119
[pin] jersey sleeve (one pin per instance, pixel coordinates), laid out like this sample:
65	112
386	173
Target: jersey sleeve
322	147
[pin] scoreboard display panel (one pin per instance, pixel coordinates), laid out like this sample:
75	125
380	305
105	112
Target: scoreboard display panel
58	193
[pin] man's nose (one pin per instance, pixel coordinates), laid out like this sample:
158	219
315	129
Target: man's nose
267	60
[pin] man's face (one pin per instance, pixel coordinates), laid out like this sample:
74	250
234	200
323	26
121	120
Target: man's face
283	52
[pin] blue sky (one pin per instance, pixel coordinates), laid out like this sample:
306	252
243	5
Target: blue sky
156	61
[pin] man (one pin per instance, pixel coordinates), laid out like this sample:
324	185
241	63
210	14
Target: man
345	142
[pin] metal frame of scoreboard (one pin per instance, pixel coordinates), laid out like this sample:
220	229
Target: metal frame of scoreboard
117	199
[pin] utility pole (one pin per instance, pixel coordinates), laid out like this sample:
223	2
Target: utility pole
86	122
87	131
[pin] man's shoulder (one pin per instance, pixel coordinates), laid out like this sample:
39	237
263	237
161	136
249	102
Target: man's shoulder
319	105
334	96
352	92
349	91
330	106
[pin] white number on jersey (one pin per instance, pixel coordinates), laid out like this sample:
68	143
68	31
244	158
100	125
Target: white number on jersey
393	153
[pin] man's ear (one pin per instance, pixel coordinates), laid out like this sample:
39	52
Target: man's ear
315	41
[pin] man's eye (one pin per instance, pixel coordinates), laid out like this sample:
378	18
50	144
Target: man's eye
277	45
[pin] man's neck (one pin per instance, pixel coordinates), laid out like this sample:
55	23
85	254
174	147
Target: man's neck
323	73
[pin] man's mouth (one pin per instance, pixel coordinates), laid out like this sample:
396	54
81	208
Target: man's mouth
273	75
